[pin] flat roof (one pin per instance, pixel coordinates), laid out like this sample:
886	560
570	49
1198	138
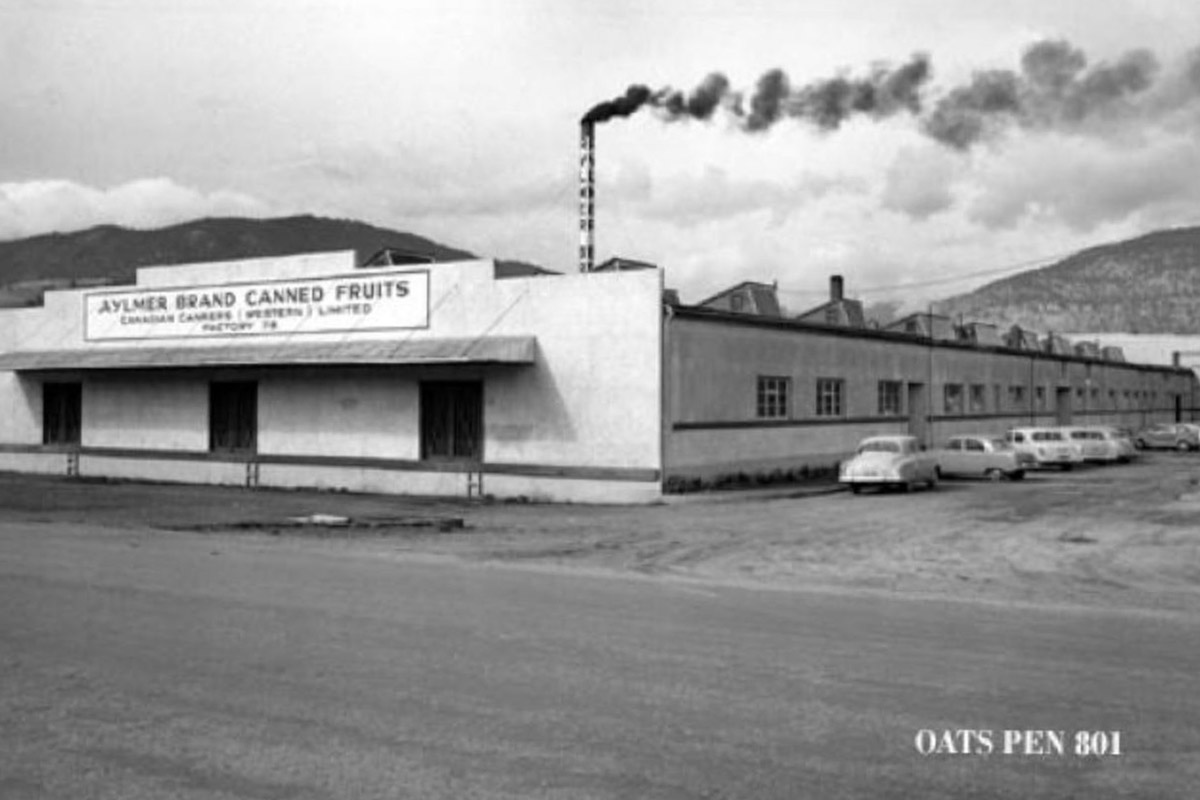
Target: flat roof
478	350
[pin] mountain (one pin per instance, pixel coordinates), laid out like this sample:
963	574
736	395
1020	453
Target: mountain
1150	284
111	253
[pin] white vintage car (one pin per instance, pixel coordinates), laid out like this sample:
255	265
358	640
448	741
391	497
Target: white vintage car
982	456
889	461
1050	446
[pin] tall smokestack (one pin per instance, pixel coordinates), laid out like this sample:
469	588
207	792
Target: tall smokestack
836	288
587	195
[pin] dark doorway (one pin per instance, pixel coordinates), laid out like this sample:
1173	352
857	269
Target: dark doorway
918	413
62	413
452	420
233	416
1062	405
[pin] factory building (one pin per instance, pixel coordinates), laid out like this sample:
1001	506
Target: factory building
464	380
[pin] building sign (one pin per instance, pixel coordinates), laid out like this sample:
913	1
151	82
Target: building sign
371	301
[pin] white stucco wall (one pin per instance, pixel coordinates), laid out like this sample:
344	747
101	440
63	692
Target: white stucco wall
20	410
145	412
345	415
590	403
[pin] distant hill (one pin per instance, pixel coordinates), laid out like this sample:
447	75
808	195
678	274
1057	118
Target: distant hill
1150	284
112	253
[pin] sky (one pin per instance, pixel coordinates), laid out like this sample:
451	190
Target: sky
919	148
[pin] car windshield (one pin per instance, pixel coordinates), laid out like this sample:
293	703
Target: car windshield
879	446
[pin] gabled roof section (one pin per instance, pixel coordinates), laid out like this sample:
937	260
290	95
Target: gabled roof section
1058	345
930	326
844	313
1019	338
747	297
837	310
980	333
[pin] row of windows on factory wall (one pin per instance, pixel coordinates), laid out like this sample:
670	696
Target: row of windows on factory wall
451	417
774	398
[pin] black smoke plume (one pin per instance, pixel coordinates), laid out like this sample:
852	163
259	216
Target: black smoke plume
700	104
825	104
1053	88
634	98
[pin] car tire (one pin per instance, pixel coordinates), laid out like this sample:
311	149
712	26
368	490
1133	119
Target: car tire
855	488
933	480
1183	447
993	474
1017	475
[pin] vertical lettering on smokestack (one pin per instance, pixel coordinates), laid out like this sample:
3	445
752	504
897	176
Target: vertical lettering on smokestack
587	195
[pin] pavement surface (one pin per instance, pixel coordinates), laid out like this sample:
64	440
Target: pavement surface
192	642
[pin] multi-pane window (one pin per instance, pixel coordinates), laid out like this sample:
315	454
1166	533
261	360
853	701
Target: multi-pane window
978	398
890	403
1040	396
830	393
773	394
953	398
1016	396
233	416
62	412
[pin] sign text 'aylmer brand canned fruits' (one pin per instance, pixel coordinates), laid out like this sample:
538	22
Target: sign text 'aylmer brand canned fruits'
368	302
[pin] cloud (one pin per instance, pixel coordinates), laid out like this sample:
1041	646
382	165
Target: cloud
713	196
919	182
403	183
1083	183
44	206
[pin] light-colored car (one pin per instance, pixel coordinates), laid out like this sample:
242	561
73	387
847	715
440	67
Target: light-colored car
1168	435
1121	439
1049	446
889	461
982	456
1094	445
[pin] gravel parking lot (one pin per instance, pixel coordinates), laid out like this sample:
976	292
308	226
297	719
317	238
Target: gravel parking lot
1121	535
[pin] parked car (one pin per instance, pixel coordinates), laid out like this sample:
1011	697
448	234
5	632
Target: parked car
1049	446
982	456
1121	439
1094	445
889	461
1168	435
